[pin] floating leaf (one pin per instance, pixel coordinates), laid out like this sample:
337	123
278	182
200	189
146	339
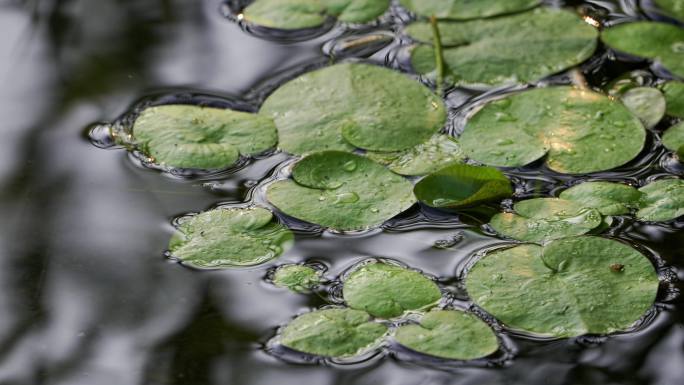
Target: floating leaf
606	197
646	103
663	200
387	291
658	41
298	278
580	131
352	104
356	11
462	185
674	8
235	237
520	48
186	136
467	9
544	219
571	287
333	333
674	96
341	191
673	138
449	334
422	159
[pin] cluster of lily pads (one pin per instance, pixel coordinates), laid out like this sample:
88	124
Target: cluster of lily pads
368	142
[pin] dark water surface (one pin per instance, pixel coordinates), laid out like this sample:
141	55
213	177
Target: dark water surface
86	296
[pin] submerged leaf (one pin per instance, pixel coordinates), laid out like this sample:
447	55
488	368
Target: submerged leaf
341	191
663	200
606	197
333	333
449	334
462	185
235	237
387	291
352	104
652	40
673	138
580	131
568	288
297	278
513	49
646	103
674	96
674	8
467	9
422	159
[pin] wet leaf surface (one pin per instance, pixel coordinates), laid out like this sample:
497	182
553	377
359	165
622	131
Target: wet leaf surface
646	103
438	152
663	200
607	197
297	278
467	9
302	14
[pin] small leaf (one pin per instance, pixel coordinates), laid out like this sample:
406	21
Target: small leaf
341	191
663	200
606	197
422	159
565	289
462	185
387	291
223	238
646	103
297	278
673	138
335	332
467	9
673	8
674	96
449	334
541	220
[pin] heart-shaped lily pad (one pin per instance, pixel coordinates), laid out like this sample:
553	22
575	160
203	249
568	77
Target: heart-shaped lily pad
341	191
663	200
674	96
234	237
674	8
462	185
449	334
673	138
646	103
422	159
658	41
186	136
606	197
544	219
467	9
352	104
298	278
521	48
338	333
570	287
580	131
387	291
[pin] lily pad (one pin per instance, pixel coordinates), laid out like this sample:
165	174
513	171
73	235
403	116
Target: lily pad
356	11
541	220
661	42
520	48
674	96
462	185
186	136
580	131
467	9
422	159
338	333
449	334
235	237
297	278
646	103
606	197
663	200
674	8
387	291
354	105
571	287
341	191
673	138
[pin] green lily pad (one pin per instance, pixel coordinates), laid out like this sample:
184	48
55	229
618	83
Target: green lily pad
580	131
338	333
673	138
657	41
186	136
352	104
520	48
544	219
674	8
606	197
341	191
646	103
663	200
223	238
297	278
422	159
674	96
467	9
449	334
387	291
570	287
462	185
356	11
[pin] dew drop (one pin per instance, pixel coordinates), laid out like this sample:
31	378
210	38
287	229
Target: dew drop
349	166
347	197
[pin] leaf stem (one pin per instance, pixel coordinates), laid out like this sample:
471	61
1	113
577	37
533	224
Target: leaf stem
439	55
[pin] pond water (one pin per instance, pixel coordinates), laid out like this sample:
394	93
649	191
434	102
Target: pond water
87	296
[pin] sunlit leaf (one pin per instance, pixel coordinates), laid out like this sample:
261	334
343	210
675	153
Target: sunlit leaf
422	159
663	200
606	197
